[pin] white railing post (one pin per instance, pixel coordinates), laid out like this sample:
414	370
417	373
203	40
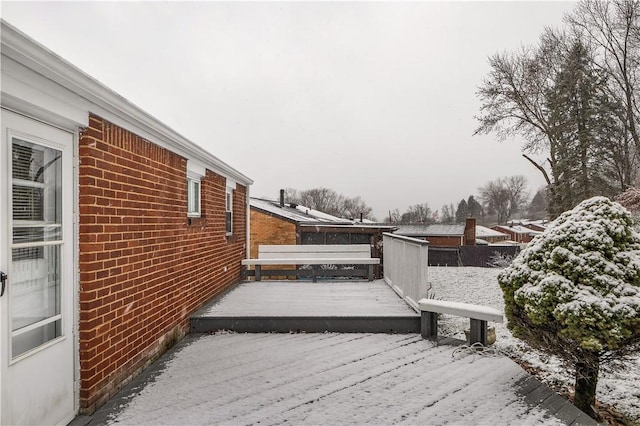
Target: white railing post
406	266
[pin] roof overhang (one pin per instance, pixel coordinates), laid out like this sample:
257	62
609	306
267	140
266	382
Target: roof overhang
38	82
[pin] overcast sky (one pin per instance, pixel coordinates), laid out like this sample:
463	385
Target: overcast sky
369	99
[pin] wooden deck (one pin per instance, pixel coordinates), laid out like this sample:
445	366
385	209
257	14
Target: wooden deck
282	306
326	378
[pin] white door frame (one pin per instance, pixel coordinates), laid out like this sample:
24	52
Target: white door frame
26	126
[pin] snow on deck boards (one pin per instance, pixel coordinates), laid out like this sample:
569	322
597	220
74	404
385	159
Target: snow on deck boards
299	298
327	378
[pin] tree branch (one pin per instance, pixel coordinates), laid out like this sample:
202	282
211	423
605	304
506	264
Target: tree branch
539	167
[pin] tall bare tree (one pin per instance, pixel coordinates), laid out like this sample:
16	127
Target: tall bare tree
513	97
504	197
518	193
573	97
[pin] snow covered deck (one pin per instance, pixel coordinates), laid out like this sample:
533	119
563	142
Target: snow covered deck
282	306
331	378
326	378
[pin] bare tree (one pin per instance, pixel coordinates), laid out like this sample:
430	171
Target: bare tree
504	197
322	199
355	207
448	213
418	213
575	98
518	193
394	216
513	96
329	201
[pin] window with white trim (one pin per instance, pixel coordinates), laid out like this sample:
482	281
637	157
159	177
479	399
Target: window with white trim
229	213
195	173
193	197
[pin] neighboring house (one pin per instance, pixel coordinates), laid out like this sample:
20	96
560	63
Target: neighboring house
277	222
115	229
517	233
463	244
440	235
490	236
536	225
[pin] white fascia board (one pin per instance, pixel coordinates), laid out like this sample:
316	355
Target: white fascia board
195	169
104	102
29	93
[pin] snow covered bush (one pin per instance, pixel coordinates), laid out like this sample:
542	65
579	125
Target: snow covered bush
499	260
575	291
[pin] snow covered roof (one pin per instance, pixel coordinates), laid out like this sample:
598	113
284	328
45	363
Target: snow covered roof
437	230
317	214
294	213
305	215
518	229
536	225
484	232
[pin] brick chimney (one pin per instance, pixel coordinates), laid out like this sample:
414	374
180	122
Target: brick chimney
470	232
282	198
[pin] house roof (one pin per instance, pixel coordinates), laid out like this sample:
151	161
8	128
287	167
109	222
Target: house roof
436	230
536	225
294	213
484	232
64	95
308	216
518	229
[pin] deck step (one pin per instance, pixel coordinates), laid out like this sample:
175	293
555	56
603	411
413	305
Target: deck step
307	324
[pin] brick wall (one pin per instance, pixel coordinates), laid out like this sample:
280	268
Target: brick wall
143	266
267	229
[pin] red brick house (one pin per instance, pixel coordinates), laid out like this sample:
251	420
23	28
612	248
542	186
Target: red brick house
117	229
518	233
490	236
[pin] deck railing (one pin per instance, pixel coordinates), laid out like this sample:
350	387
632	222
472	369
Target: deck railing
405	267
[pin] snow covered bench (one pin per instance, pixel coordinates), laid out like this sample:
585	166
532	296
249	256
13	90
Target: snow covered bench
478	315
337	254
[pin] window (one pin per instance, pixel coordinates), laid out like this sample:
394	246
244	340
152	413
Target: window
36	245
229	213
195	172
193	197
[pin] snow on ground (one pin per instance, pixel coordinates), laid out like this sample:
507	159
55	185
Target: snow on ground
480	285
330	379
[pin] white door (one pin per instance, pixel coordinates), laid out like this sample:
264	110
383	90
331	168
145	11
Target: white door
36	254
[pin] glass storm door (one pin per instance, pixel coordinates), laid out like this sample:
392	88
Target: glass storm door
36	309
